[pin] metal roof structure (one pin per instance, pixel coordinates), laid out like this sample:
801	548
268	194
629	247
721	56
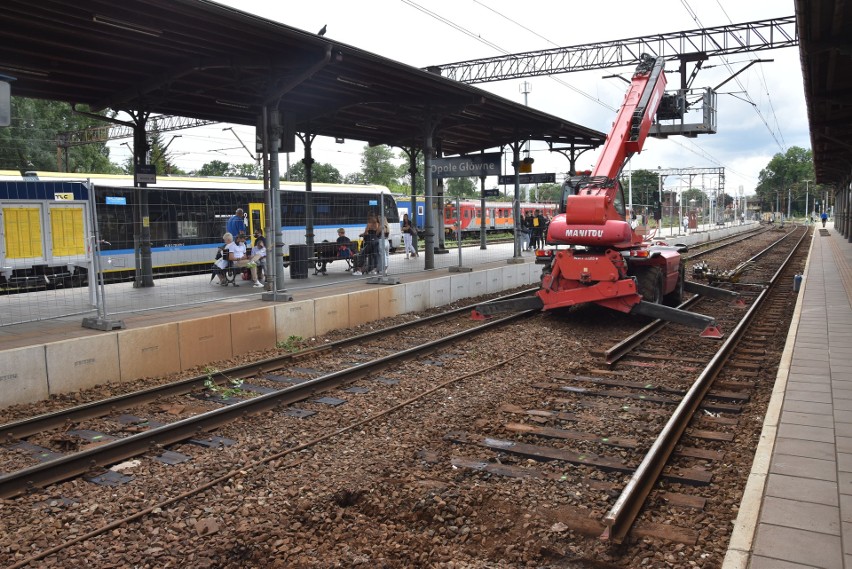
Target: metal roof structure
199	59
825	29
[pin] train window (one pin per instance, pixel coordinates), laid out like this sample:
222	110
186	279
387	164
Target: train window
391	211
187	229
323	211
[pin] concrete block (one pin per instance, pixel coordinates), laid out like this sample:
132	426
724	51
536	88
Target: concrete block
295	319
439	292
525	272
477	283
363	307
459	286
417	296
80	363
510	276
149	352
391	301
331	313
494	280
253	330
205	340
24	376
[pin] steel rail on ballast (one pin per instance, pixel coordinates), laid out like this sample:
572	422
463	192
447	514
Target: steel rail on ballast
619	519
624	347
71	466
32	425
728	241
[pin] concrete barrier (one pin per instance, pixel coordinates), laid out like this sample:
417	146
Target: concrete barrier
205	340
24	376
34	373
80	363
149	352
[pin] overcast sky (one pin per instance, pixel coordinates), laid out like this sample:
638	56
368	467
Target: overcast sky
758	116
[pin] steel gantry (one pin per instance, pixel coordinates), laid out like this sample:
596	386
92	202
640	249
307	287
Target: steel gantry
759	35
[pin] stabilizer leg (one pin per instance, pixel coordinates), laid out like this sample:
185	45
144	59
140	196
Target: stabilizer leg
669	314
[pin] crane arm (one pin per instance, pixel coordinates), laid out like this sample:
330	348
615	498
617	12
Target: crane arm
631	126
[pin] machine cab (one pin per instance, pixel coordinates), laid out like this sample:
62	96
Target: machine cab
573	186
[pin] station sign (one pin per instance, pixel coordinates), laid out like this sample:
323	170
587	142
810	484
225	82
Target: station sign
490	193
146	173
467	166
528	179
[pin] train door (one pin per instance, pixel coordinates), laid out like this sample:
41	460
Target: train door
257	217
492	220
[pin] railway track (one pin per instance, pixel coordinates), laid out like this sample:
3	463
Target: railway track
98	431
692	403
526	424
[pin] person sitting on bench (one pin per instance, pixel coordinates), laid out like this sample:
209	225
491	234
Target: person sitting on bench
234	252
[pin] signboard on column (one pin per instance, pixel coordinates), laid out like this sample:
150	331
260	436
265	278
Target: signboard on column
467	166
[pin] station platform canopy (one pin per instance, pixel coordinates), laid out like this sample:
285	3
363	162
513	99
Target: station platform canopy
825	27
202	60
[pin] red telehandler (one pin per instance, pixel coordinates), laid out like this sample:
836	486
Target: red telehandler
606	261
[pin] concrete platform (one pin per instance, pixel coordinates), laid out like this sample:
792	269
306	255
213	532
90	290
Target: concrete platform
797	509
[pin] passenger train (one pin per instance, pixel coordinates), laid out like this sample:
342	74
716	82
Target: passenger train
499	216
46	223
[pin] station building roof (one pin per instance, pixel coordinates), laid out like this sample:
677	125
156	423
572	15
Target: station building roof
199	59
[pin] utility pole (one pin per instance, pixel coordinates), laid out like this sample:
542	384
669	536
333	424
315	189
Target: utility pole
789	200
807	202
526	87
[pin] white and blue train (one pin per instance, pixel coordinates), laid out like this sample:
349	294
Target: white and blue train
46	222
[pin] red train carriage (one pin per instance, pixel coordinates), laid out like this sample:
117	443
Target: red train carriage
498	215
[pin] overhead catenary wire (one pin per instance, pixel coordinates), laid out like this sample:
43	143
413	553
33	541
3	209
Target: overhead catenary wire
780	144
496	47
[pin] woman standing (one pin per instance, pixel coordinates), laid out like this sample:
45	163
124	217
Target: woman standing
409	232
369	256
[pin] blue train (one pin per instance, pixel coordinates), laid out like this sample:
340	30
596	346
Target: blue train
47	222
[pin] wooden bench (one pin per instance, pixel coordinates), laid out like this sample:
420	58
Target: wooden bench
325	253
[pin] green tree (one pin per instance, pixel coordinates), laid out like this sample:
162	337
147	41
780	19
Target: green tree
214	168
377	167
692	194
31	141
321	173
462	187
248	170
548	192
785	175
355	178
646	187
160	156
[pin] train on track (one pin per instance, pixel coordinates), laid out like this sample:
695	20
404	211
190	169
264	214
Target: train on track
47	224
499	216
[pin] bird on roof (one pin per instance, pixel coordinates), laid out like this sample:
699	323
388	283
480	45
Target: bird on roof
322	31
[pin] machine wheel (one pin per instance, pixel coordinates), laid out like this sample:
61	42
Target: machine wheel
650	284
675	297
